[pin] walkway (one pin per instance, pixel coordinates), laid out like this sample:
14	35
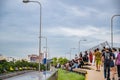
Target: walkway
95	75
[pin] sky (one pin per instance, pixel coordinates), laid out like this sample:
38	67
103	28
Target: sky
64	23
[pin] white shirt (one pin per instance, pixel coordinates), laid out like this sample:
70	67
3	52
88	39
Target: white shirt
116	54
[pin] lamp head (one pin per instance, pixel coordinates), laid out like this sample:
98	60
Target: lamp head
25	1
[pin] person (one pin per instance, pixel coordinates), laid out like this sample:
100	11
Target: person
106	58
81	60
85	58
118	64
63	66
75	65
98	56
90	56
79	63
58	65
93	61
115	52
52	68
103	51
80	55
112	63
76	57
67	66
70	66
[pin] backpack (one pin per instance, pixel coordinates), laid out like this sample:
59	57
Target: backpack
107	57
118	59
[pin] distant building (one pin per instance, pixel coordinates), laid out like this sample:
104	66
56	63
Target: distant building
35	58
11	59
2	57
25	59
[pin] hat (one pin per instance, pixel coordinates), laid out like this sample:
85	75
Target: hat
107	47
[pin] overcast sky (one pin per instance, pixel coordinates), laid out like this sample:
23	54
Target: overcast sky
64	23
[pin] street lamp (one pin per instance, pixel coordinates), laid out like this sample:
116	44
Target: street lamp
27	1
112	29
70	51
79	44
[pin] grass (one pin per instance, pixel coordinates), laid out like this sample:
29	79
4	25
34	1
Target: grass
65	75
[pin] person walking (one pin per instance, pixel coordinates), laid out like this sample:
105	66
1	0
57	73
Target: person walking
118	64
107	56
98	56
112	65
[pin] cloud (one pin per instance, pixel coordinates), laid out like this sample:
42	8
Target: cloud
64	22
66	31
83	11
77	12
74	10
85	31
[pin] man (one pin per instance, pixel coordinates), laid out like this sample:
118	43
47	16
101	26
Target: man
98	55
106	58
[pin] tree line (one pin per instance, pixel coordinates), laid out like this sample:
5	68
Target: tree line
6	67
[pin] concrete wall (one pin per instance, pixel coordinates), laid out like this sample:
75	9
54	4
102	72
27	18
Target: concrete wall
54	76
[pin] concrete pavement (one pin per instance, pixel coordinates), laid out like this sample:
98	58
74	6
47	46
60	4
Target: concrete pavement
96	75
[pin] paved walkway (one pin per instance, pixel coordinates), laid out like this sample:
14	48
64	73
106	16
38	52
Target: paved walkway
95	75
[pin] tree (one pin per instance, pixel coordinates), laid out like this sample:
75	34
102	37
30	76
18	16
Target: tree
65	60
1	69
54	60
62	60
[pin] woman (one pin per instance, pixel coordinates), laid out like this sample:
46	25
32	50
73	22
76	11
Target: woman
93	61
90	56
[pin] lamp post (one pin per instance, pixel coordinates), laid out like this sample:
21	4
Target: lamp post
79	44
27	1
46	50
70	51
112	28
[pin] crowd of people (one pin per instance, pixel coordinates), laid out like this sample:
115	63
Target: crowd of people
107	58
78	62
110	60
